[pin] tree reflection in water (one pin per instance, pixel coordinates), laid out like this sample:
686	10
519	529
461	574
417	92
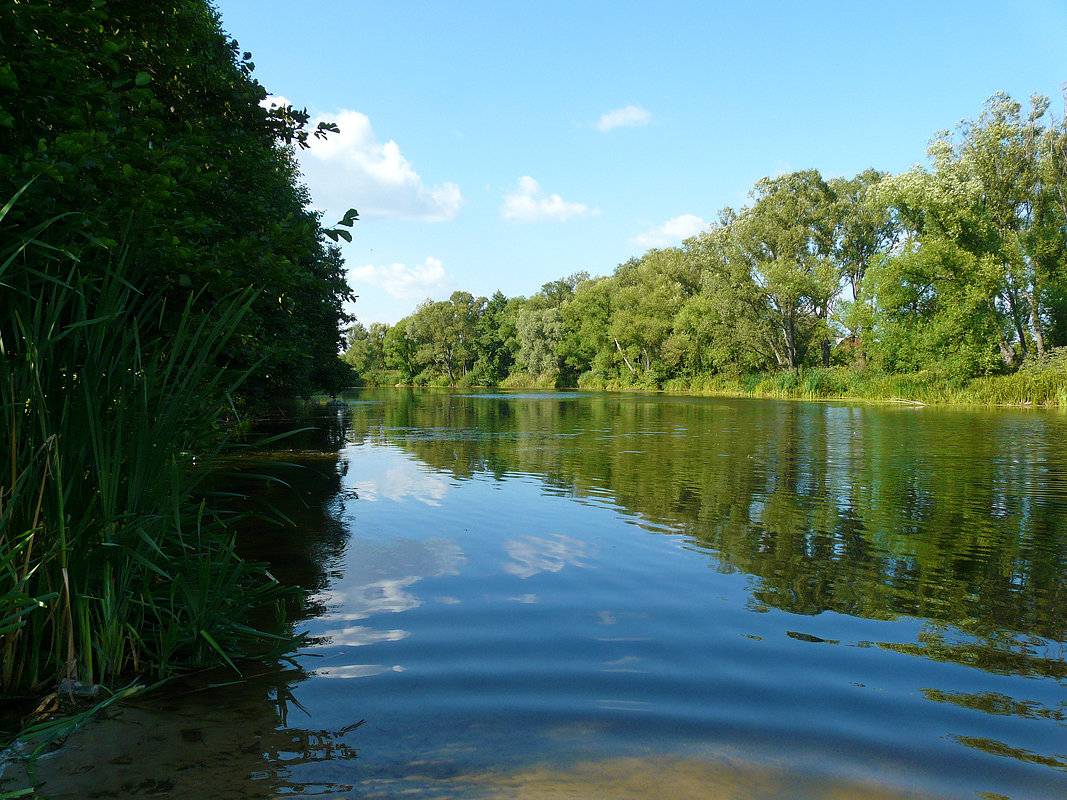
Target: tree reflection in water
951	520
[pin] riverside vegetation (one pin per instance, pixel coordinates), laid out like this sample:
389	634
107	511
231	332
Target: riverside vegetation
159	269
947	283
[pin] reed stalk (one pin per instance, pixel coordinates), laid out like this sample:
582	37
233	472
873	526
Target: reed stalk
111	560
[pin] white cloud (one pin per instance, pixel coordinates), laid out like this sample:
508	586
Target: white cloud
402	281
671	232
629	117
353	168
529	203
274	100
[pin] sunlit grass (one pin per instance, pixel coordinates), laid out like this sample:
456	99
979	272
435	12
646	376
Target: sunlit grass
1040	385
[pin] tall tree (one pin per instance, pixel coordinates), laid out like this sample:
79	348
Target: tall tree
725	323
142	121
865	229
786	237
495	341
1017	160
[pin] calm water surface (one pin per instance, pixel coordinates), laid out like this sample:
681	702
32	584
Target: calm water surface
590	595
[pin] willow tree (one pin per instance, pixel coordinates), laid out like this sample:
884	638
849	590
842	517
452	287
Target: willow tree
1017	161
865	230
786	239
995	192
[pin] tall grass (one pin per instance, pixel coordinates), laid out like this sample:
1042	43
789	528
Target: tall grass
109	563
1040	384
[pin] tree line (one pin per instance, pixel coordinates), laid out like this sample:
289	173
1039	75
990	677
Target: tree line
955	268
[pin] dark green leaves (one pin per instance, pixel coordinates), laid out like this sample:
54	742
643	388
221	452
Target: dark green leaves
350	218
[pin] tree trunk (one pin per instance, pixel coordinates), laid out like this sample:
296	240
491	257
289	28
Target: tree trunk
1006	353
1035	321
629	366
789	333
1013	306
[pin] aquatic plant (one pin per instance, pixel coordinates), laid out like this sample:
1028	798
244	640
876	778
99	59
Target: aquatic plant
112	558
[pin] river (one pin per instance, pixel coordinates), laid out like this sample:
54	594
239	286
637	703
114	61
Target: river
590	595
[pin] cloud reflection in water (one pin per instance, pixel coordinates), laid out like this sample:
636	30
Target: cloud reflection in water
533	554
397	477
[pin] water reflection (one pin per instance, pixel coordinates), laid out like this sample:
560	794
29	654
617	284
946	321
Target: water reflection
756	600
533	554
949	522
396	477
378	574
953	516
244	740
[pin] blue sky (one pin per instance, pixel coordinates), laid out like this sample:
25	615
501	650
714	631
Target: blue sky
500	145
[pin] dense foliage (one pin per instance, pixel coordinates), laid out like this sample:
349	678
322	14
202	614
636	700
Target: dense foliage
956	271
110	560
156	254
143	122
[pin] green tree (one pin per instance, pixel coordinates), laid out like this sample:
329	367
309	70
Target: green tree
399	349
585	317
786	237
495	341
1018	164
934	310
539	332
865	229
995	192
366	347
648	293
445	335
725	323
144	120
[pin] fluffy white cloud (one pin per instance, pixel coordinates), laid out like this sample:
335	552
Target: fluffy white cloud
529	203
629	117
671	232
353	168
402	281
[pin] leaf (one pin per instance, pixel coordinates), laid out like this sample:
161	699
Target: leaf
215	645
142	79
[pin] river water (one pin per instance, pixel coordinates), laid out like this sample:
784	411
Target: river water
550	595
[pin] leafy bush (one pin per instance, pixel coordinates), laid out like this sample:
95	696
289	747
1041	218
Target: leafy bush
159	115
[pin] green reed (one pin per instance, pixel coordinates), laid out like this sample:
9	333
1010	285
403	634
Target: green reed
112	560
1037	384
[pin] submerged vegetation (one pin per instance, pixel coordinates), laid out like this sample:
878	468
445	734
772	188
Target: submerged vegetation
159	267
945	283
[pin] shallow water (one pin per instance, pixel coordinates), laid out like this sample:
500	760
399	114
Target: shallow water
586	595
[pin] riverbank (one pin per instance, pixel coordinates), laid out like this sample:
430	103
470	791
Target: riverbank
1039	385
